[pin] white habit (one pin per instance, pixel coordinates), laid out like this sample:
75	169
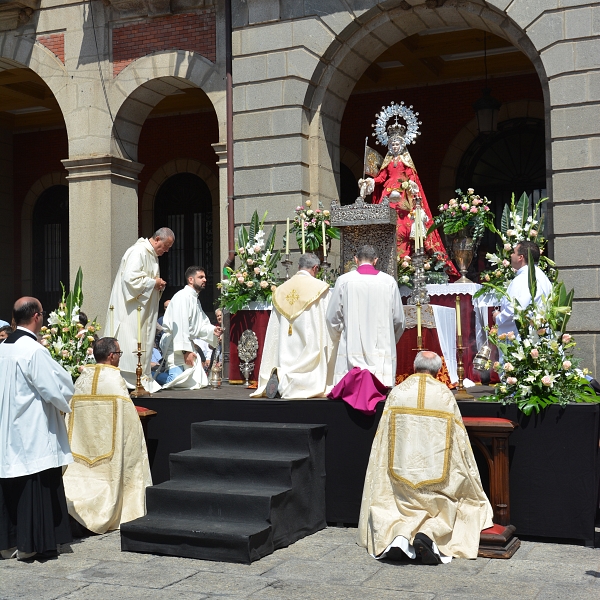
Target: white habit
297	341
518	292
133	287
34	389
365	314
183	322
422	476
106	485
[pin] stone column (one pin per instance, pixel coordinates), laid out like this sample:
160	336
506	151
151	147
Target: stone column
7	215
221	224
103	223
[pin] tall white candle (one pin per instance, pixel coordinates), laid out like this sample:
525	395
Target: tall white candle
112	321
139	320
324	239
418	319
458	323
303	237
287	236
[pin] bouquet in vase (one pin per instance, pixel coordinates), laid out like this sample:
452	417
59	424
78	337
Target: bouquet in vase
69	336
255	279
315	223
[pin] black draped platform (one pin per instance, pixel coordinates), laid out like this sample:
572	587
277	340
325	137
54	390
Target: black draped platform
554	457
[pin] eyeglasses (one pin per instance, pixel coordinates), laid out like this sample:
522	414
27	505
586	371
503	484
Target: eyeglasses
43	313
118	353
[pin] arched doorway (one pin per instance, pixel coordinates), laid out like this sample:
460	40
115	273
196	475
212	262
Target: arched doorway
51	245
184	203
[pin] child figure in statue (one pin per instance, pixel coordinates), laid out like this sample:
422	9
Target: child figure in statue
394	183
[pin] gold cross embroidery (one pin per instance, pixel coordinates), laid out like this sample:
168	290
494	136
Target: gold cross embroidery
292	297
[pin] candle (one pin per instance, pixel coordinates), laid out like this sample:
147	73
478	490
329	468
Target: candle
458	327
112	320
287	236
139	311
418	319
303	237
324	240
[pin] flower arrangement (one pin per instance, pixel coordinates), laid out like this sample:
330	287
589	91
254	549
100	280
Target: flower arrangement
255	279
518	224
68	339
435	267
466	211
313	227
539	368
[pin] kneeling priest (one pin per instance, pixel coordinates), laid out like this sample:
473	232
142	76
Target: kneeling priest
422	492
106	485
296	360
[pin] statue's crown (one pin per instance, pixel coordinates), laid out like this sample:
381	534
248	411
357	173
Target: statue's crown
396	130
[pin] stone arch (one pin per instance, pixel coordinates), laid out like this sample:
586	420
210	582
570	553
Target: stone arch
47	181
146	81
180	165
354	162
355	49
464	138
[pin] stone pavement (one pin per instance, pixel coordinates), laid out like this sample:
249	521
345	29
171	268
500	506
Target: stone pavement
326	565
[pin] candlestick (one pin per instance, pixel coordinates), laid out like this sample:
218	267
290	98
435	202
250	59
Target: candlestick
324	239
458	323
112	320
287	263
139	319
287	236
461	393
139	388
418	319
303	238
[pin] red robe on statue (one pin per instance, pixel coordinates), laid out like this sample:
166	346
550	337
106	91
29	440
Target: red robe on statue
391	176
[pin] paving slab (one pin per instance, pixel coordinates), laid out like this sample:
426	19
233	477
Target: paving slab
98	591
16	584
223	584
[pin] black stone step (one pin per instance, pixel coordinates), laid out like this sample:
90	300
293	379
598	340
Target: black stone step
196	537
252	501
231	465
243	436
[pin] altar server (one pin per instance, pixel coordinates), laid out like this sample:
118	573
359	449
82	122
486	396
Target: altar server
518	289
106	485
185	321
422	492
365	314
34	389
298	347
138	284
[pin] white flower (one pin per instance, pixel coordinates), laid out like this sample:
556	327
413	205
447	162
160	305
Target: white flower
53	318
259	236
525	390
526	343
519	354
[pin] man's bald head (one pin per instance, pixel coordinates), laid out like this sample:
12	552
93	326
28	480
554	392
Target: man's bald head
25	310
428	362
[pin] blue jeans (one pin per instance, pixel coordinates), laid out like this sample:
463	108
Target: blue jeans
168	376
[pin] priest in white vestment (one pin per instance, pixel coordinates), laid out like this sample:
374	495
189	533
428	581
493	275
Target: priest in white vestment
106	485
422	492
298	347
138	284
365	314
34	389
183	322
518	288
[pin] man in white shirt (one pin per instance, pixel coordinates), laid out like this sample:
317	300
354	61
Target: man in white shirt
298	347
518	289
138	284
365	314
185	321
34	447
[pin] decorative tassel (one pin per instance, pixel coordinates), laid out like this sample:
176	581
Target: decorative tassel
290	329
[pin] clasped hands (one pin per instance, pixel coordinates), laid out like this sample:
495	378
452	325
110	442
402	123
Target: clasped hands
160	284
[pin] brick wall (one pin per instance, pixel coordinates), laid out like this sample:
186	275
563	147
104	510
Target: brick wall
193	32
444	111
55	42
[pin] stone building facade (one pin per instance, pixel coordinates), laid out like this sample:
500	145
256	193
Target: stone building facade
113	99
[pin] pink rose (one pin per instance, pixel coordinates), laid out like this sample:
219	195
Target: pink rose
273	288
566	365
507	247
508	367
566	338
250	262
511	335
257	270
240	279
250	283
445	207
547	380
44	342
505	263
487	277
90	351
65	353
511	380
502	336
264	284
486	208
404	265
464	206
533	233
470	191
473	209
534	353
242	250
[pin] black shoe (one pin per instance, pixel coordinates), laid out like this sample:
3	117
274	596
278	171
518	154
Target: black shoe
424	548
272	389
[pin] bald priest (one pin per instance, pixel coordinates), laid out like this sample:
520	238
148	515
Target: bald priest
297	356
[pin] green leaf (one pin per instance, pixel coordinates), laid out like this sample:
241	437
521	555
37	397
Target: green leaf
531	276
253	229
270	243
523	208
333	232
505	221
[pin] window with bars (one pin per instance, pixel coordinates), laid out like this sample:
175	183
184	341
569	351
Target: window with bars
184	204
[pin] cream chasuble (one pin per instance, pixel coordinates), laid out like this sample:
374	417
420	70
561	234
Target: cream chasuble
297	341
422	476
185	321
106	485
365	314
133	287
